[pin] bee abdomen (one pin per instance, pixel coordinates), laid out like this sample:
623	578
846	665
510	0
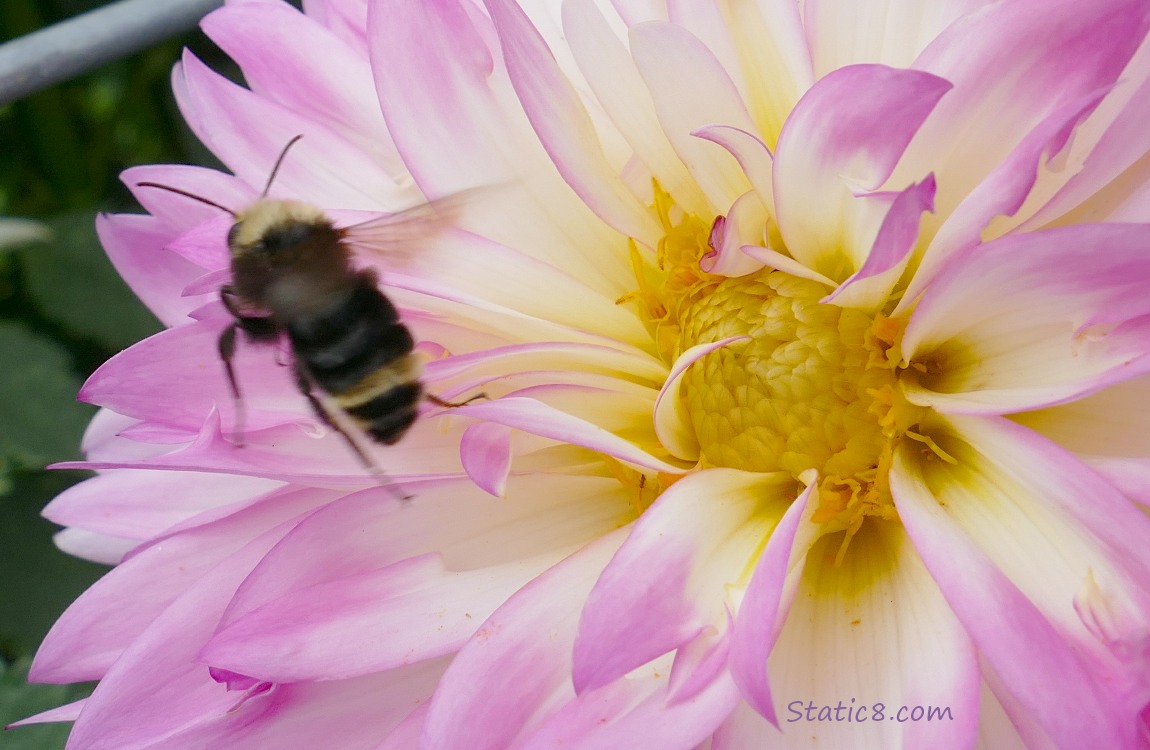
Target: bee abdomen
388	415
351	340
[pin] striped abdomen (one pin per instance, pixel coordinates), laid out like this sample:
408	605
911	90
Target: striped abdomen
358	351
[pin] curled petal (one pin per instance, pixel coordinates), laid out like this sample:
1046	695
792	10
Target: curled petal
485	451
672	422
536	417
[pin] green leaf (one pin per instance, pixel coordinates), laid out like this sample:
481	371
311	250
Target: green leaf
42	421
19	700
74	284
37	580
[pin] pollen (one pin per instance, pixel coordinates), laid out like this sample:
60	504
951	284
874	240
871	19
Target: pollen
815	389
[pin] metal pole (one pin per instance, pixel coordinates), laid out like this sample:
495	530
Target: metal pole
75	46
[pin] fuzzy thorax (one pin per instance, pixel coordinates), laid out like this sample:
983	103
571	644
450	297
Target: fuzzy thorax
254	223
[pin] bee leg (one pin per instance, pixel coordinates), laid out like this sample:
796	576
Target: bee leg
227	349
452	404
303	381
256	329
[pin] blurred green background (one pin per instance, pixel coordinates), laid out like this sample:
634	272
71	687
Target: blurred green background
63	311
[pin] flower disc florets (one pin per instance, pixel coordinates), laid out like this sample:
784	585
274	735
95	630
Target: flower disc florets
807	388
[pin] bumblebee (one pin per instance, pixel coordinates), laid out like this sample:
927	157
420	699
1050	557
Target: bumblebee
293	276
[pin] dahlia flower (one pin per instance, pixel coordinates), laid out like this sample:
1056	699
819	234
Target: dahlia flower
815	340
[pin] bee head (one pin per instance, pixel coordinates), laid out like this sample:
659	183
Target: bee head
275	230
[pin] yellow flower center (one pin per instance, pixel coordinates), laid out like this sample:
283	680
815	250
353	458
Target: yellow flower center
813	392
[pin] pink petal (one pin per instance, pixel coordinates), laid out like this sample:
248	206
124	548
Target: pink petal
156	684
102	438
870	286
324	167
66	712
407	612
775	259
766	603
123	503
431	67
635	12
94	546
891	32
847	132
455	119
564	127
536	417
206	245
611	73
507	677
1039	667
407	734
1107	430
361	568
289	453
691	90
1021	477
752	154
136	245
303	716
995	729
1075	326
176	378
667	582
347	19
288	58
1004	722
1001	193
485	451
177	211
97	628
699	663
745	224
615	715
1111	141
1021	79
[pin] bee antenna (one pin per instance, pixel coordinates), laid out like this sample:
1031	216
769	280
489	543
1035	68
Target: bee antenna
279	161
186	194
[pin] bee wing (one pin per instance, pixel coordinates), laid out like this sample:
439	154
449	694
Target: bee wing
398	235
